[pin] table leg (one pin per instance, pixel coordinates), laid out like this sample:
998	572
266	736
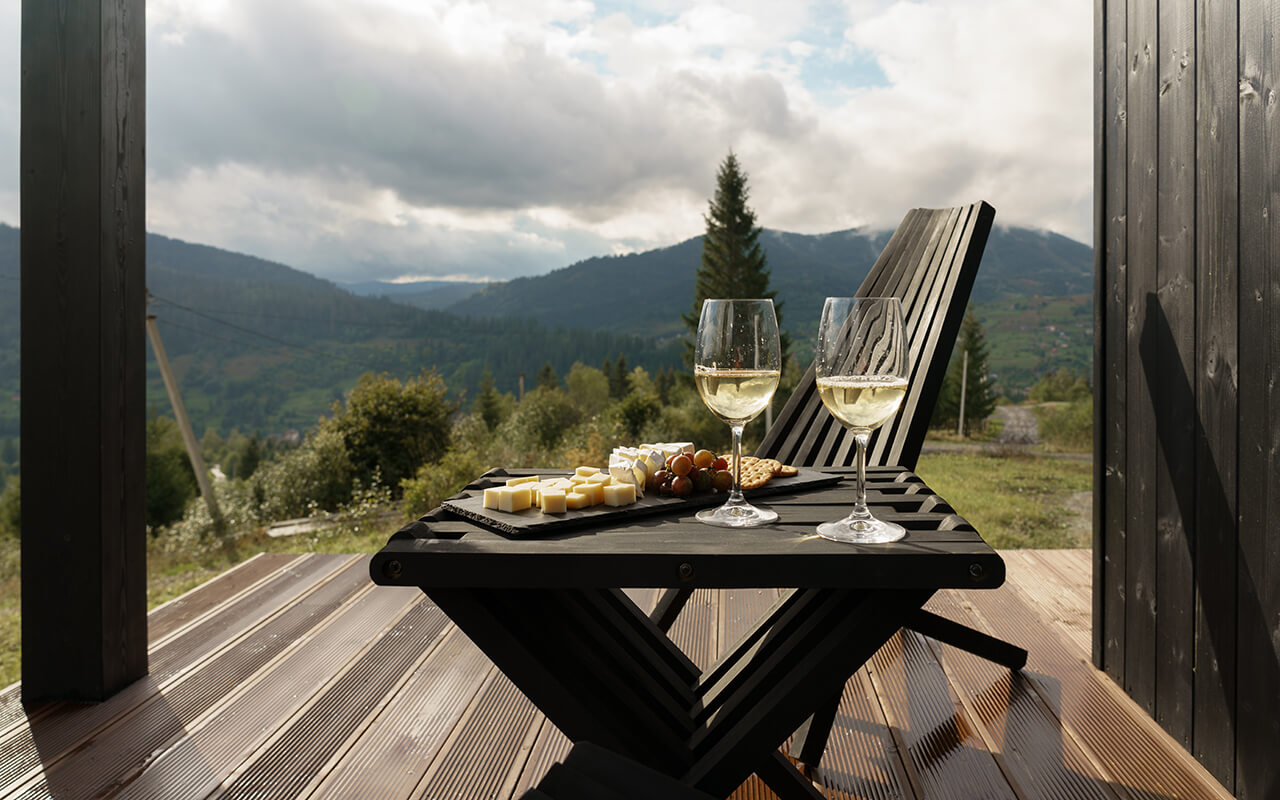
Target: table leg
801	662
780	775
810	739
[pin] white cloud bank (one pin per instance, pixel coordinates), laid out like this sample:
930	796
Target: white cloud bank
380	138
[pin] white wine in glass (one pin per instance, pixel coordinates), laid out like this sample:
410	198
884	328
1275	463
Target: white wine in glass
860	365
737	362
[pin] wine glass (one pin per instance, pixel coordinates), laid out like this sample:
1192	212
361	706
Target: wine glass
860	363
737	363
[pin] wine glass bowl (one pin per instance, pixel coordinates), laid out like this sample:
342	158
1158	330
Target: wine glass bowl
860	367
737	364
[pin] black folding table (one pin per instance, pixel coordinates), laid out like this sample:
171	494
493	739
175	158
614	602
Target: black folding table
551	613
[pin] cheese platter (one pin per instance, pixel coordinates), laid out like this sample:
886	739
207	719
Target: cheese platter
531	521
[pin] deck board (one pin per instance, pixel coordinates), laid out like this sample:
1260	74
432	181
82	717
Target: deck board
292	677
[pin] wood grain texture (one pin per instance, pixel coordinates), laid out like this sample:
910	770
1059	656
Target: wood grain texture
83	360
1217	295
1168	346
1110	584
1140	439
1258	571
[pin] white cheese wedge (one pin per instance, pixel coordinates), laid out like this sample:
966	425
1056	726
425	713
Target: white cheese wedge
514	498
619	494
491	497
624	470
652	460
554	501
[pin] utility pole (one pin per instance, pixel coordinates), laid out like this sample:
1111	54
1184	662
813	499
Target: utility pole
964	389
184	424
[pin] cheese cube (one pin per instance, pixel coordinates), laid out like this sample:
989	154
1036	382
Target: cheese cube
585	471
602	478
525	479
594	492
619	494
575	501
491	497
554	501
514	498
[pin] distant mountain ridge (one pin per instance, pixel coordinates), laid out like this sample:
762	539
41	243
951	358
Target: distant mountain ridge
634	293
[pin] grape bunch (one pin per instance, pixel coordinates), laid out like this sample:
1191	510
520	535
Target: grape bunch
701	472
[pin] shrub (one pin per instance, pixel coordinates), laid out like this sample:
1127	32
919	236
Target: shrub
317	476
171	482
1059	385
441	480
11	509
389	429
1068	427
541	420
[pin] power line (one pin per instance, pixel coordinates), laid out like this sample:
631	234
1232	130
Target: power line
237	342
360	323
259	334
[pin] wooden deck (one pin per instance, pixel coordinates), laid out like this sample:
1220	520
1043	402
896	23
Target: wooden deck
294	677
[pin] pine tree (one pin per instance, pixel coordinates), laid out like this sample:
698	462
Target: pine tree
733	262
979	400
618	378
547	377
488	404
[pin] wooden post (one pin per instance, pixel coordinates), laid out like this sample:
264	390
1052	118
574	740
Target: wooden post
84	625
184	423
964	389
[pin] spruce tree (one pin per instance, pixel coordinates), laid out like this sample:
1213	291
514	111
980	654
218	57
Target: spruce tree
547	377
488	403
979	399
618	378
733	262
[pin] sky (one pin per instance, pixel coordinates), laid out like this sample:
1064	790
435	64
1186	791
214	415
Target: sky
415	139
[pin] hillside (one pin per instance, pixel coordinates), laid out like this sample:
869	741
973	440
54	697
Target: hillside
1032	294
261	346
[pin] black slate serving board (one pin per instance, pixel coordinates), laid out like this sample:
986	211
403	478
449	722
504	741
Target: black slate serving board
532	523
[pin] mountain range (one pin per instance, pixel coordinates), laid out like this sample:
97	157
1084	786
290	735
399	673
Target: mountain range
261	346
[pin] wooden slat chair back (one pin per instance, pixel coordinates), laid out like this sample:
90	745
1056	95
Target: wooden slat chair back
929	264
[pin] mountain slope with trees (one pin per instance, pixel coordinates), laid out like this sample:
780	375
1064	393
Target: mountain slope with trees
260	346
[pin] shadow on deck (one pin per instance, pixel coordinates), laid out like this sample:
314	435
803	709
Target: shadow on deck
294	677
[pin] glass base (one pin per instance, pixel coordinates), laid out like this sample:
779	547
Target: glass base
737	515
861	530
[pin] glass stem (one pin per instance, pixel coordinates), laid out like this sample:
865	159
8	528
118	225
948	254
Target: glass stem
860	510
735	496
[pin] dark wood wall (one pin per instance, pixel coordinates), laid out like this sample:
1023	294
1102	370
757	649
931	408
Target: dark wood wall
1187	514
84	630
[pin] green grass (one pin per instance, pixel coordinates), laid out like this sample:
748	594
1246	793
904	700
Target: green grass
1015	501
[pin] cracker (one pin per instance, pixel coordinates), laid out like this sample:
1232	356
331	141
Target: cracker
756	472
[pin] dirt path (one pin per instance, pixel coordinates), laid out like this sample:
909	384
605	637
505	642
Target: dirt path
1020	425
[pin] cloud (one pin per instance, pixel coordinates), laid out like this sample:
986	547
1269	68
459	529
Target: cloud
506	137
